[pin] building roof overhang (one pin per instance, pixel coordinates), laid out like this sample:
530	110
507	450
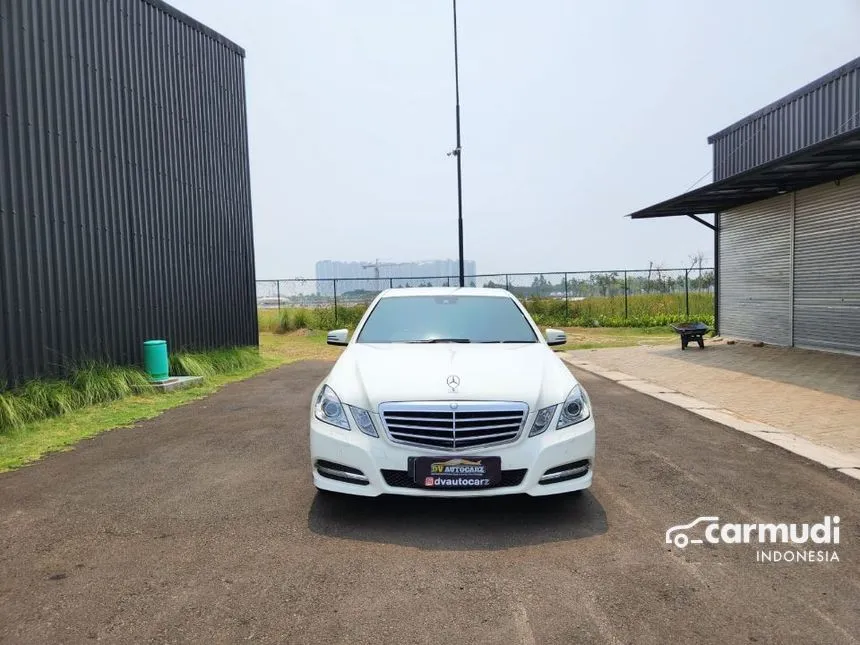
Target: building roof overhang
830	160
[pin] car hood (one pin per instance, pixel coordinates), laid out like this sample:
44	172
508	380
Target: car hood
366	375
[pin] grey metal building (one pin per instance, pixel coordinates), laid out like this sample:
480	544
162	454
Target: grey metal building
125	210
786	205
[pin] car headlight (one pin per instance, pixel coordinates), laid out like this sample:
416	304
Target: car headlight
363	420
329	409
576	408
542	420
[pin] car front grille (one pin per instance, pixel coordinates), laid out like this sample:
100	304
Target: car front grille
454	425
401	479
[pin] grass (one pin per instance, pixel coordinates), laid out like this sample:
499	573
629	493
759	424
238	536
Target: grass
89	384
36	439
49	415
311	345
291	319
600	337
640	311
300	345
211	363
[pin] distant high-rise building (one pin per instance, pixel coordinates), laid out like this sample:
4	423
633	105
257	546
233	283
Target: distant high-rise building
374	275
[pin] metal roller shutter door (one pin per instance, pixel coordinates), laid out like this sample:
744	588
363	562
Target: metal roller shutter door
755	248
827	267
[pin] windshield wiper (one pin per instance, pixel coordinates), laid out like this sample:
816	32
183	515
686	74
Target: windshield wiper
442	340
507	341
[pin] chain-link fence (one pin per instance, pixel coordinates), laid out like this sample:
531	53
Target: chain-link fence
642	297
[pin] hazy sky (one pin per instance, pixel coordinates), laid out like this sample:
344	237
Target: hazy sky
574	114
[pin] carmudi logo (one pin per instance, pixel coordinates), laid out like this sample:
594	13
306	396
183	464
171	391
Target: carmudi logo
799	536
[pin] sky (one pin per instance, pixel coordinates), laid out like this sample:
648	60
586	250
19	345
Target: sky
574	114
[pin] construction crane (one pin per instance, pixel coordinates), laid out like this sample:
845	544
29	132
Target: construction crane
375	266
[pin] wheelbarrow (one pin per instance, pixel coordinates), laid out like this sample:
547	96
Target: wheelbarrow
691	331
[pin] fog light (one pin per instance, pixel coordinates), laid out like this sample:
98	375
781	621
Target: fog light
341	473
565	472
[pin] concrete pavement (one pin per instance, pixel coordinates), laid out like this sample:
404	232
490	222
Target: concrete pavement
813	396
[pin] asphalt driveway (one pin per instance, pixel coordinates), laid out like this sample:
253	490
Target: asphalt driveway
203	526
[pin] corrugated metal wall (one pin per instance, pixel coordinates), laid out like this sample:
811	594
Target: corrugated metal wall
827	266
754	286
802	289
125	209
823	109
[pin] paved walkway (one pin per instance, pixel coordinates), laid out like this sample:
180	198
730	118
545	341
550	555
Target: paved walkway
815	395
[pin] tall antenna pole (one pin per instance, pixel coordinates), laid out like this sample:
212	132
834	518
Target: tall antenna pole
457	152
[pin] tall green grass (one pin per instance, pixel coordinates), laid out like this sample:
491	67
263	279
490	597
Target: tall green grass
96	382
642	310
295	318
210	363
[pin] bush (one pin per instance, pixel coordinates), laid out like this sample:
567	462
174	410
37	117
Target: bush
285	321
57	397
99	382
349	317
268	320
15	411
301	318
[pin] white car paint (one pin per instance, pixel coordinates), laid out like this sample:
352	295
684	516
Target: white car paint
366	376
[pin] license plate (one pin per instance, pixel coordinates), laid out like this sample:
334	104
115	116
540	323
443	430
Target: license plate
456	472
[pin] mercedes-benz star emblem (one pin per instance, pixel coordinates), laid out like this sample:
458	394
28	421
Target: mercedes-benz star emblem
453	382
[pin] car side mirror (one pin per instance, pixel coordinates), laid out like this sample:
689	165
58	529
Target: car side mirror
338	337
555	337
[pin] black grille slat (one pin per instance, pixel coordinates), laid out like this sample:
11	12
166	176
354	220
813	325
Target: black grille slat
429	434
420	424
499	435
433	423
472	443
429	441
486	414
400	427
471	431
490	423
422	414
462	428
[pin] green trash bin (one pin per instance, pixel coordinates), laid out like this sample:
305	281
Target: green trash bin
155	361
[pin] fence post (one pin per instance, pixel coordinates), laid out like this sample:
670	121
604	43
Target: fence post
566	302
507	282
687	290
334	291
390	283
625	295
449	281
279	294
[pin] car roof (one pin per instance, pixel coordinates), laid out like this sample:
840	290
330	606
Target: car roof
400	292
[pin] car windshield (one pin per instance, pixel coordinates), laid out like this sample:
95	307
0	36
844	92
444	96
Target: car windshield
446	319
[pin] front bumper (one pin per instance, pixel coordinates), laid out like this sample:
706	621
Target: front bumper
375	466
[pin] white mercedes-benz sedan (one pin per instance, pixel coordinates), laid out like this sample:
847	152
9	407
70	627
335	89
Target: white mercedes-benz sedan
450	392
